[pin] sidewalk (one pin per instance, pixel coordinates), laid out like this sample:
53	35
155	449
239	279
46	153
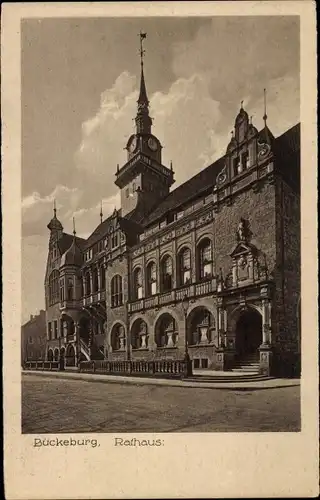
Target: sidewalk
119	379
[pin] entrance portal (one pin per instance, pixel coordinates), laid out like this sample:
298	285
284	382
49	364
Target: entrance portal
248	333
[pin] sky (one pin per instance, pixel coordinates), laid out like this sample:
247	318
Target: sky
79	86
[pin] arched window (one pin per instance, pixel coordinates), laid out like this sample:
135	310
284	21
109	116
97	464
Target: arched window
165	331
88	283
54	287
118	338
116	291
95	282
205	260
137	283
70	289
102	278
166	274
151	279
184	266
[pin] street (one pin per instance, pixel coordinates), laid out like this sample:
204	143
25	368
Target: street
57	406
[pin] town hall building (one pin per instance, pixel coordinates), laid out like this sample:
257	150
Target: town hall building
209	270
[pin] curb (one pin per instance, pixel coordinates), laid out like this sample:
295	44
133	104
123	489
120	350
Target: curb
114	379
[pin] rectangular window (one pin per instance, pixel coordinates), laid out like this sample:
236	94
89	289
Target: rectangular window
55	329
49	331
236	165
204	363
245	160
114	240
196	363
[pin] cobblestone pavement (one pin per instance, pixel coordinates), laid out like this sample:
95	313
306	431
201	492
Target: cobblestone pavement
56	405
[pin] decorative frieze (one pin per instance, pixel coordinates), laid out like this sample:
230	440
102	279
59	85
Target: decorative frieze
204	219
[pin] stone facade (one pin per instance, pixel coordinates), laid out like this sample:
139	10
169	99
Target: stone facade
211	268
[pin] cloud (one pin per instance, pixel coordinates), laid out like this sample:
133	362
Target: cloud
37	211
228	60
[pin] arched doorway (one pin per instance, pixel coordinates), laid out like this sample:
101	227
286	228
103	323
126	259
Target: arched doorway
56	354
50	355
71	356
248	333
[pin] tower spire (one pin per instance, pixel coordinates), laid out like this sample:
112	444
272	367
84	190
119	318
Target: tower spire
74	228
143	120
54	208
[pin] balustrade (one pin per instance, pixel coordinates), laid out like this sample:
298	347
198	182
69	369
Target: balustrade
164	368
176	295
41	365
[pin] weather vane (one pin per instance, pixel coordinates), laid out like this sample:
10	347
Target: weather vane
142	51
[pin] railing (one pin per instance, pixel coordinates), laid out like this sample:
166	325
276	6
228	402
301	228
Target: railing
41	365
69	304
84	346
94	298
176	368
176	295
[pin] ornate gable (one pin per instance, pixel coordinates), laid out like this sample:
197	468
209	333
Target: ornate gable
246	266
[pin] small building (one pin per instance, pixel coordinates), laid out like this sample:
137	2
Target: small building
34	338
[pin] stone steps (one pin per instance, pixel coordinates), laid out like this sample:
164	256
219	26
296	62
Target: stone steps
247	377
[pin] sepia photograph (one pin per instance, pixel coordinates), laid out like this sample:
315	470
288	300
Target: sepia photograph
161	224
159	204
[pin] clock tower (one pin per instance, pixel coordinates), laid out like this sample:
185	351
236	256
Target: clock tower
143	180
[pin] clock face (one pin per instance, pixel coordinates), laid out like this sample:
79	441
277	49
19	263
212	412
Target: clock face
152	143
133	144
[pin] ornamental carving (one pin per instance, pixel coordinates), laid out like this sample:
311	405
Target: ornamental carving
243	231
204	219
222	176
263	150
167	237
184	229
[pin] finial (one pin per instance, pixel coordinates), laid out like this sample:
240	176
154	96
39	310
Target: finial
74	227
118	168
232	134
101	213
142	51
54	208
251	120
241	105
171	167
265	107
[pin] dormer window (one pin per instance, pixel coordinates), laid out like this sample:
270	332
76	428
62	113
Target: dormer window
245	160
114	240
236	166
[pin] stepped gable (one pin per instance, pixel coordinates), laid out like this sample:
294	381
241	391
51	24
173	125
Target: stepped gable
285	146
189	190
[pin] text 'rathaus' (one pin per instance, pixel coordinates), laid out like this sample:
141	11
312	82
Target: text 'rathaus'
212	266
